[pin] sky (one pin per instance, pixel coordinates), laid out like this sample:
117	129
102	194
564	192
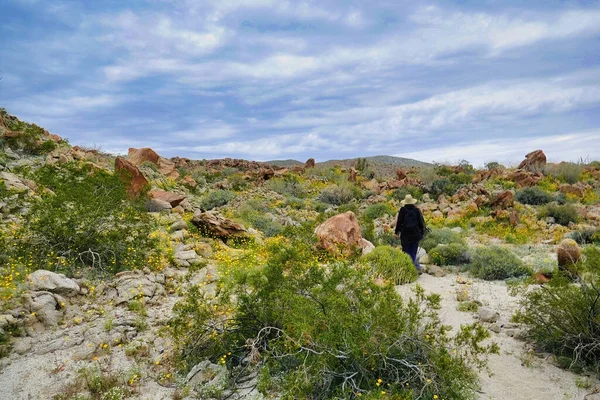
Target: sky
443	81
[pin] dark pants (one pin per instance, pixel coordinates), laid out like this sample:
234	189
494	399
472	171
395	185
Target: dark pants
410	248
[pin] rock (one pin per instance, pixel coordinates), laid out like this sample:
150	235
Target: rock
178	225
435	271
372	185
172	198
185	258
214	224
206	376
568	253
533	161
44	307
352	175
189	181
514	333
578	190
13	182
504	200
22	345
487	315
131	175
310	163
52	282
134	284
366	246
437	214
340	233
157	205
165	167
422	256
400	174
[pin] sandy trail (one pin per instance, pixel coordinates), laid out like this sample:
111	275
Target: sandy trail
511	378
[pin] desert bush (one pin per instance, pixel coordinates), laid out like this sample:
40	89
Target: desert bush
588	235
238	182
461	178
494	165
449	254
375	211
566	172
216	198
392	264
289	186
494	262
562	317
400	193
339	194
533	196
562	214
440	236
85	221
443	186
325	333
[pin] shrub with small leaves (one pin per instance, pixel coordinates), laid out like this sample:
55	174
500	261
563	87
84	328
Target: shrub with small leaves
375	211
533	195
562	214
496	262
339	194
562	317
216	198
329	332
441	236
392	264
449	254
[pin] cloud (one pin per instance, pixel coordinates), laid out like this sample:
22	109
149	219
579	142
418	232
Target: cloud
563	147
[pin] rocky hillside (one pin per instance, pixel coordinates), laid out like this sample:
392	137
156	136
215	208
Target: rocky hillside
154	278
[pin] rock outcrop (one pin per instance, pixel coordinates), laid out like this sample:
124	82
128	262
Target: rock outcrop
310	163
136	182
214	224
52	282
166	167
533	161
174	199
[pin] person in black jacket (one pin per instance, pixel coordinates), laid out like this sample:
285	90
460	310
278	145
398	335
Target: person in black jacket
411	228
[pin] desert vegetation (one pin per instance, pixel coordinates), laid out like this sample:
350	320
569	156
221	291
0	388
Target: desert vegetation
212	278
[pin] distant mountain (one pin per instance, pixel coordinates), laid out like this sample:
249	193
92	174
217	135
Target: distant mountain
284	163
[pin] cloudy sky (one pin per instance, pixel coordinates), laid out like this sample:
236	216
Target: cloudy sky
479	80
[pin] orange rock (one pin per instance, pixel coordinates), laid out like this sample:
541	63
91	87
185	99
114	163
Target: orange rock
340	234
172	198
533	161
310	163
131	175
505	199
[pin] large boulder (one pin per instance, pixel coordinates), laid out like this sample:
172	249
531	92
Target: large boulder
52	282
13	182
45	307
172	198
214	224
533	161
340	234
165	166
130	174
310	163
567	253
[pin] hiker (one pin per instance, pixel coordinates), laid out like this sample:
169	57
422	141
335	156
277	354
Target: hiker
411	227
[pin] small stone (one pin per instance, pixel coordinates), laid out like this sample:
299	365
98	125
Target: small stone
436	271
488	315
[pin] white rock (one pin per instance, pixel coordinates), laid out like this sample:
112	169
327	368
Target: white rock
488	315
52	282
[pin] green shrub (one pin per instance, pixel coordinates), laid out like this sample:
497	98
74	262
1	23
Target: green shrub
562	214
289	186
85	221
496	262
375	211
562	318
337	195
400	193
392	264
216	198
443	186
533	196
585	236
440	236
449	254
328	333
566	172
